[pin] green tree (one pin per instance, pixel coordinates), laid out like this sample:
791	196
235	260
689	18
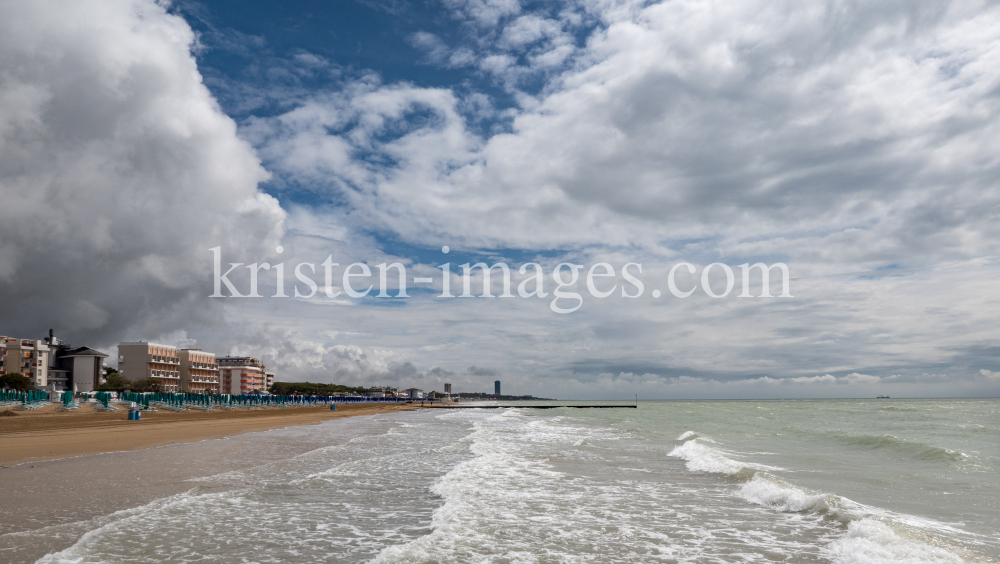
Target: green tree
115	382
308	388
16	381
145	385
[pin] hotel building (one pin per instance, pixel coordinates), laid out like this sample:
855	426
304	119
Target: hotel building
199	371
241	375
140	360
25	356
80	369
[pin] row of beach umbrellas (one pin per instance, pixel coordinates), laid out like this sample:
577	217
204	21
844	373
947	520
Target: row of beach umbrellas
30	396
245	400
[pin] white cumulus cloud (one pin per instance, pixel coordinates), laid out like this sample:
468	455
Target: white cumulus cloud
119	171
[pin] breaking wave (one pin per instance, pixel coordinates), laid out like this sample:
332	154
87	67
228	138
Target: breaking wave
870	535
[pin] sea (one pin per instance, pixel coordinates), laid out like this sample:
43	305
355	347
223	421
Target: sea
842	481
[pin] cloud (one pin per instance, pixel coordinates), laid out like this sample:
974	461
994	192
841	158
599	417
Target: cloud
477	371
484	13
436	50
853	378
119	173
438	372
857	136
853	142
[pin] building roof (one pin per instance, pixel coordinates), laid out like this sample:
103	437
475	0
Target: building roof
82	351
146	343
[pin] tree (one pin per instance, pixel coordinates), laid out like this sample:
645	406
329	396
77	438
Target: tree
308	388
145	385
16	381
115	382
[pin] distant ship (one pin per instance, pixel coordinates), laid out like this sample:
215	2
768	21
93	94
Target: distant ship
883	397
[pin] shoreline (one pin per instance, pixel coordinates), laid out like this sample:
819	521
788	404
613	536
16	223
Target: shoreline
47	434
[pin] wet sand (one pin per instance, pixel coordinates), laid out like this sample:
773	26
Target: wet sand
48	434
51	503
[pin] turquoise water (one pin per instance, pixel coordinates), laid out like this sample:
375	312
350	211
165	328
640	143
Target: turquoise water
701	481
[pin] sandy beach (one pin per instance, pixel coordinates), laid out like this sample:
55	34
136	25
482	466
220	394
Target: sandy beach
47	434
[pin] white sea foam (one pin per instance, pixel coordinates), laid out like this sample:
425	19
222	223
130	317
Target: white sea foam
703	458
84	547
872	536
506	500
524	486
871	541
774	493
511	503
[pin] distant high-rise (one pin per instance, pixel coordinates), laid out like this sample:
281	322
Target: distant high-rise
447	388
496	387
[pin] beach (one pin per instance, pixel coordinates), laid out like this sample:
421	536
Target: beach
46	433
803	481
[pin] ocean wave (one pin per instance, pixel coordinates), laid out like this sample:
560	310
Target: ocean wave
703	458
871	541
872	535
472	488
919	450
774	493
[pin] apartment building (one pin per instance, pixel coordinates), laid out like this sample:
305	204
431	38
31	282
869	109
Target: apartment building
25	356
140	360
83	365
268	381
199	371
241	375
73	368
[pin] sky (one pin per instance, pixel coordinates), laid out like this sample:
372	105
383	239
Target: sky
855	142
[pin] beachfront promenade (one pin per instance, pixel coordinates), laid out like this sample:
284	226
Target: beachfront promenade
150	401
182	401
